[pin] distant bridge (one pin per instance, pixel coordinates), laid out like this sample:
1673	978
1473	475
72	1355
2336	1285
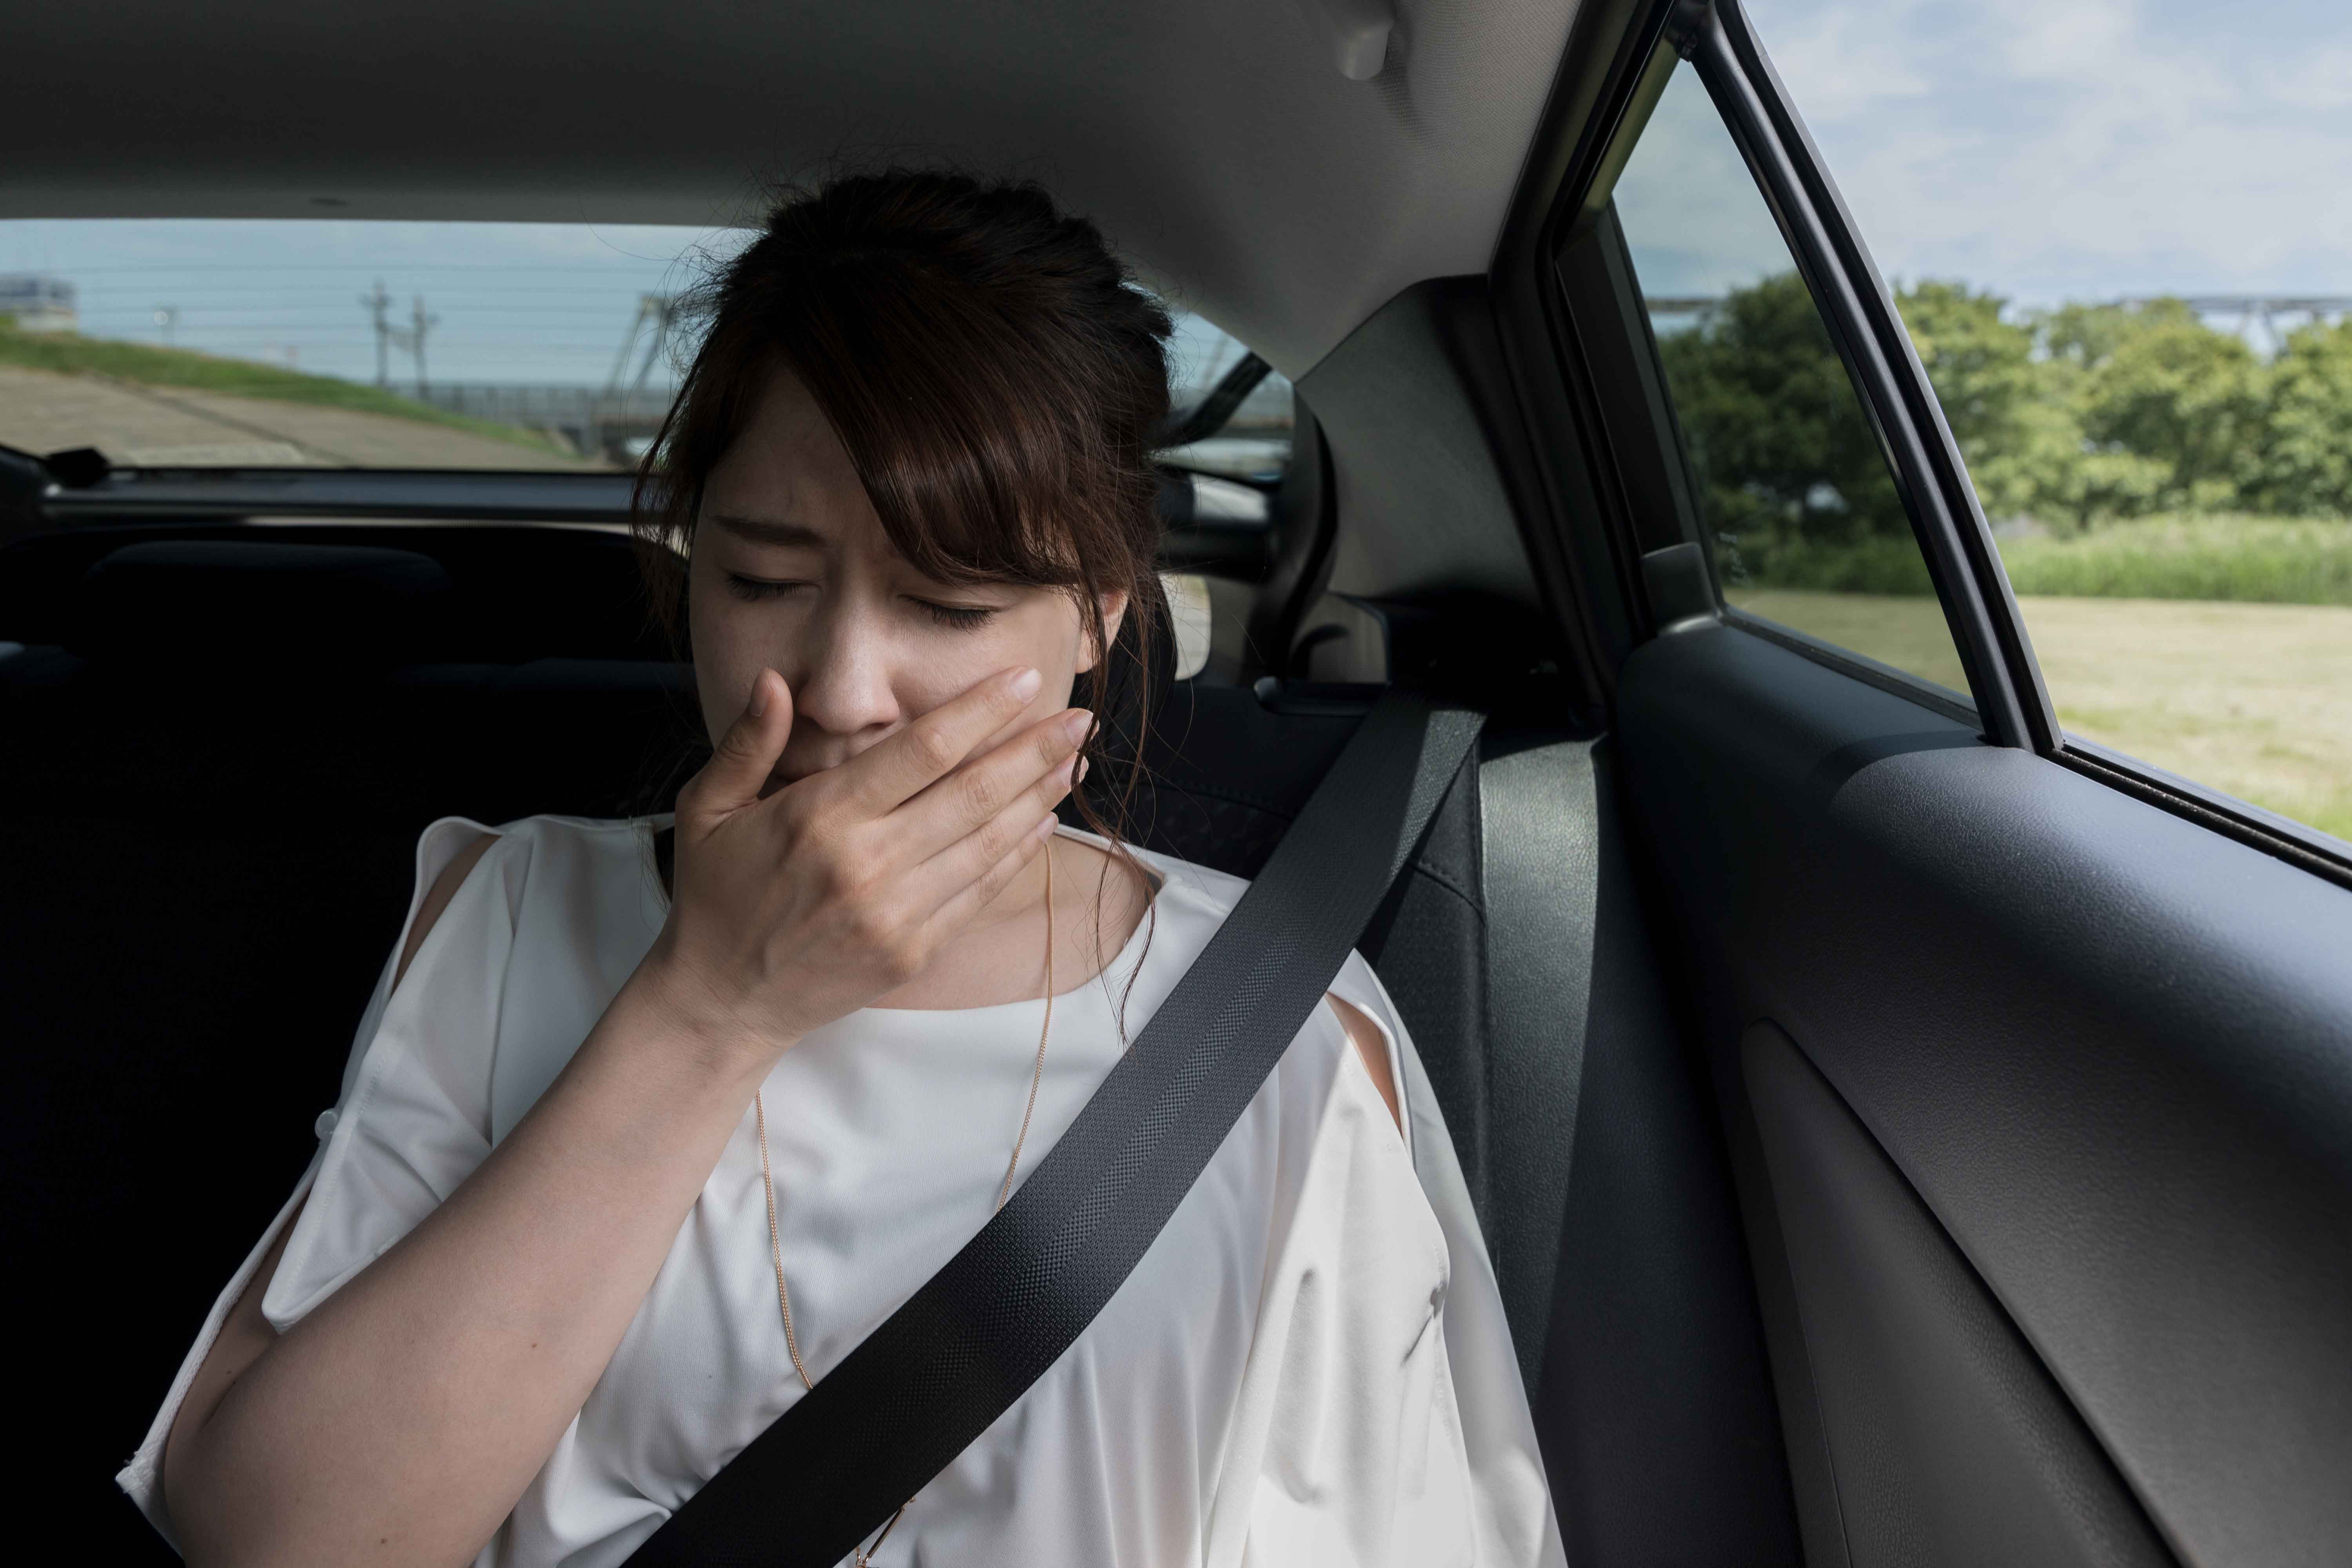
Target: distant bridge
614	424
2255	311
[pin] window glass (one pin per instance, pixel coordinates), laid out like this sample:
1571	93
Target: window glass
1191	620
1796	502
197	343
1254	442
2116	234
194	342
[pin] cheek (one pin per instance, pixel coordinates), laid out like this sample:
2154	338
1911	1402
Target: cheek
945	666
1044	634
731	647
935	667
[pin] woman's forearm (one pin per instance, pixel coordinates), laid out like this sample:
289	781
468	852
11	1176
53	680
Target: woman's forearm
400	1421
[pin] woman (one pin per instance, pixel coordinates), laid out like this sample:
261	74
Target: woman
648	1124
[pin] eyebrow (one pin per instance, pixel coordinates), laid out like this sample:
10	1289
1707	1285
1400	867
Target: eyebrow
767	530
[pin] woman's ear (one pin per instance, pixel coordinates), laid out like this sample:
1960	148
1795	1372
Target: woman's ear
1114	610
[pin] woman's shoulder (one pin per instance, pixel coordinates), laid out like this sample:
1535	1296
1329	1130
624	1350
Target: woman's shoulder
549	827
1202	888
451	839
600	859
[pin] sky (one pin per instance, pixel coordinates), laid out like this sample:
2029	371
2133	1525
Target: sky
2048	150
2059	150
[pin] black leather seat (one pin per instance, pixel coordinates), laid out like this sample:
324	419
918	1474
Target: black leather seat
224	749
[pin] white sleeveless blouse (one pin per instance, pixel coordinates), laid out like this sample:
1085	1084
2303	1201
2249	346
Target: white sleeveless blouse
1310	1366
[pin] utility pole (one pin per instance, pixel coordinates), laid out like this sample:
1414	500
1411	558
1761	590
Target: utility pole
423	323
377	304
409	339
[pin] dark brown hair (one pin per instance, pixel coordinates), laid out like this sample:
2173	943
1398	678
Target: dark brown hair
998	381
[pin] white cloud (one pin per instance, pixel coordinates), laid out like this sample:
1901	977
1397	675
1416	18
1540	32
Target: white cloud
2319	81
2085	149
1854	61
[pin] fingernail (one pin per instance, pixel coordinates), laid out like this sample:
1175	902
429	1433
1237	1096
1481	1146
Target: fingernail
1083	766
1068	771
1025	684
1075	724
1045	828
759	694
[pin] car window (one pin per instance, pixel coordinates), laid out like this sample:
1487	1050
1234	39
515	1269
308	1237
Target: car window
1799	510
216	344
1254	442
209	344
2117	240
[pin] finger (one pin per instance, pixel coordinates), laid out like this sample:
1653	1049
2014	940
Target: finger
746	755
977	791
944	877
926	750
978	894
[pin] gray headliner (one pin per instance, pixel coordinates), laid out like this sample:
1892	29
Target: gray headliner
1218	142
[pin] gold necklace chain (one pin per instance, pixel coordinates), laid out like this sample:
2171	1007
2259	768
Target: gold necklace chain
768	1183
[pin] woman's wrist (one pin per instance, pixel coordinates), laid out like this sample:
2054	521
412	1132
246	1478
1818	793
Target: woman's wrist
669	998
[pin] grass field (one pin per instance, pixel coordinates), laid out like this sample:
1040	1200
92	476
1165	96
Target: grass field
2216	555
69	353
2250	698
2271	560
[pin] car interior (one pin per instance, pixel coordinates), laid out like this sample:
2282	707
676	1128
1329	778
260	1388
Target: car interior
1901	1136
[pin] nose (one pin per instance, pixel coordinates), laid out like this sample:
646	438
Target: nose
846	684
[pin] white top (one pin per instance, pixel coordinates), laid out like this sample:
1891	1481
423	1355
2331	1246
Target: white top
1309	1365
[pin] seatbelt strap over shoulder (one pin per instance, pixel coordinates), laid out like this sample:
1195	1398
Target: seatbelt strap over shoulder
898	1409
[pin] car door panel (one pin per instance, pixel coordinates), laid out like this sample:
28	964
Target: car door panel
1951	1444
2105	1048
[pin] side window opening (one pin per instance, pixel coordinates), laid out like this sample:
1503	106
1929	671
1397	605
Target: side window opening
2157	422
1232	412
1796	507
1191	616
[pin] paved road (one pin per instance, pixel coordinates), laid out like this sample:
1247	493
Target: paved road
41	410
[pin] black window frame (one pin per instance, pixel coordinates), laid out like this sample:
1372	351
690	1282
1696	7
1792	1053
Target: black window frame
1563	269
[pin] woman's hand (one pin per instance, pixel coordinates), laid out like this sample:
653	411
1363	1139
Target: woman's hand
792	911
402	1417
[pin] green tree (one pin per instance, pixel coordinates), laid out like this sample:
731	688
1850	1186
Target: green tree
2153	382
1780	443
2072	416
2305	461
2017	429
1981	366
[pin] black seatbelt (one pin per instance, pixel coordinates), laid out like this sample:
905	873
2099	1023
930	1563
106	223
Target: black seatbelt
1539	838
899	1408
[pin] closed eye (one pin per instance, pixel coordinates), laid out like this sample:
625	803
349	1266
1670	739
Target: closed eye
958	618
758	588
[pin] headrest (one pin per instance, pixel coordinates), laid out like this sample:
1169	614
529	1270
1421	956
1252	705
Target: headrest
310	605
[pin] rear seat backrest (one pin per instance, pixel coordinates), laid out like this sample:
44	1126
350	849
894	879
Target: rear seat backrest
205	857
221	753
211	599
